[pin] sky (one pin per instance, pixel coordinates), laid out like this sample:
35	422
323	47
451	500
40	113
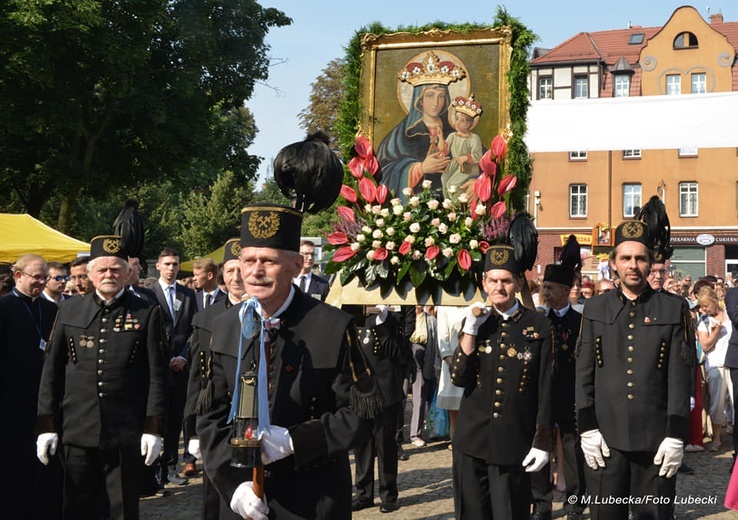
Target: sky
321	29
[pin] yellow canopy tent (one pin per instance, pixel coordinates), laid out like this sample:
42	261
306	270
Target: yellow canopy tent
216	255
22	234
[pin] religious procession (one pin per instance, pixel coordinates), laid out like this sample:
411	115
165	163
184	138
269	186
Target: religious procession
453	304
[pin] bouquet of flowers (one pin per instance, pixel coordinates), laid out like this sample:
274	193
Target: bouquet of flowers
423	242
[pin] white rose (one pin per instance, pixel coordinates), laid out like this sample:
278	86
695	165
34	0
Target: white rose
377	233
463	198
414	227
376	209
427	184
410	238
442	228
390	231
414	201
468	221
433	204
370	255
435	222
360	238
390	246
379	222
480	209
451	217
448	252
417	255
429	241
452	188
368	208
396	202
384	212
395	260
407	216
407	191
455	238
377	244
397	210
355	246
366	230
473	244
447	203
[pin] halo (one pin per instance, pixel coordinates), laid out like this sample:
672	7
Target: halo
461	87
452	115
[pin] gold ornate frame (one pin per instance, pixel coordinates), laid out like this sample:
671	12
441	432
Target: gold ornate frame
486	54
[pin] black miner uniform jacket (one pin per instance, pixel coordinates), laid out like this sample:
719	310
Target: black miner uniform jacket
566	332
105	376
310	382
506	406
634	367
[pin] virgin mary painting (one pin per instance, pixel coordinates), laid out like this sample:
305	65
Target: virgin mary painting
416	150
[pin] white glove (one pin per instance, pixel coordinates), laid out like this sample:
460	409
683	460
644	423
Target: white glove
692	403
382	314
595	448
247	504
150	447
669	456
535	460
46	444
476	314
276	444
193	446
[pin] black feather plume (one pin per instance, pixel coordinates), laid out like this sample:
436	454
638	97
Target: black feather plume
653	213
309	172
129	225
523	237
571	255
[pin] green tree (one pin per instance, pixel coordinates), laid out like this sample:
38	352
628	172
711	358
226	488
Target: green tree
97	94
326	95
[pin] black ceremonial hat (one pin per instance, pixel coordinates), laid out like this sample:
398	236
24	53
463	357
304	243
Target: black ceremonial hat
559	273
107	245
501	256
231	249
633	231
271	225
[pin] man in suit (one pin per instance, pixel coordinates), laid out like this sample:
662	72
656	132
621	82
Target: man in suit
320	392
178	307
309	282
26	319
56	283
634	370
205	274
133	285
103	390
78	275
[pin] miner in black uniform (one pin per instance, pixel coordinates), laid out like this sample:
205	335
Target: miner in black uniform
634	367
199	389
33	490
103	389
383	347
504	429
557	282
321	394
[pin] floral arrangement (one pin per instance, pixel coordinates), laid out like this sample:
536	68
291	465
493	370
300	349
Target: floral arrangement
425	242
603	227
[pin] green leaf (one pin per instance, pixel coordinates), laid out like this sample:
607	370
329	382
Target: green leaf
370	274
449	268
404	267
346	277
383	269
417	272
476	255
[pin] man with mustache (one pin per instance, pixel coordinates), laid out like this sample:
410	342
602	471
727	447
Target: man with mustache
634	368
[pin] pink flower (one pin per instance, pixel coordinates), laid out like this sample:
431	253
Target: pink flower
464	259
498	209
486	163
499	147
346	213
343	253
432	252
356	166
483	246
371	164
380	254
368	190
348	193
363	147
483	187
507	184
405	248
382	193
337	238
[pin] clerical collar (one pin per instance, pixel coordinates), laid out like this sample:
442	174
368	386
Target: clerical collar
112	300
506	315
24	296
285	304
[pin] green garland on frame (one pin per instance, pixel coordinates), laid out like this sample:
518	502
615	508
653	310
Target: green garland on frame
518	160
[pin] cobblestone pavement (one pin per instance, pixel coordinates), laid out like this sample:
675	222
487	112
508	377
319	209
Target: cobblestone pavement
424	482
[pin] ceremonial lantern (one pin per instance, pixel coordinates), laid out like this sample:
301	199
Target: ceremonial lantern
245	445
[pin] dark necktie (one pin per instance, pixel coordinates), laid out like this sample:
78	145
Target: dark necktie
208	300
302	283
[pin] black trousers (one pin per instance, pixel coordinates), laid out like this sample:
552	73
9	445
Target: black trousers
630	477
211	501
489	491
91	475
382	447
174	420
573	466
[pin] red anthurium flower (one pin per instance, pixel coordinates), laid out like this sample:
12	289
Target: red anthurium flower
464	259
356	166
405	248
382	192
363	147
507	184
368	190
371	164
343	254
432	252
483	187
348	193
346	213
499	147
337	238
486	163
498	209
380	254
483	246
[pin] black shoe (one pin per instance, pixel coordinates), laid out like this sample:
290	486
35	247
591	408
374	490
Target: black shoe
541	515
173	478
687	470
401	455
358	504
388	507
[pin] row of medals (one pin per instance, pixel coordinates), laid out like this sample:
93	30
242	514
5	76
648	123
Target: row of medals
130	324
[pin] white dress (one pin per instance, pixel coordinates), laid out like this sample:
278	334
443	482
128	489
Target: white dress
449	325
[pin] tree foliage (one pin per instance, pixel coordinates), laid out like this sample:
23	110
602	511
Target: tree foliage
326	95
96	94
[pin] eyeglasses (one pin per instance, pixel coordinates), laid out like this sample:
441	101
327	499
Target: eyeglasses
37	277
59	278
81	278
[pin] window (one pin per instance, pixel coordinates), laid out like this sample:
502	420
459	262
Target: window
699	83
688	199
686	40
581	87
636	39
577	200
690	151
545	88
622	85
631	199
632	154
673	84
580	155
